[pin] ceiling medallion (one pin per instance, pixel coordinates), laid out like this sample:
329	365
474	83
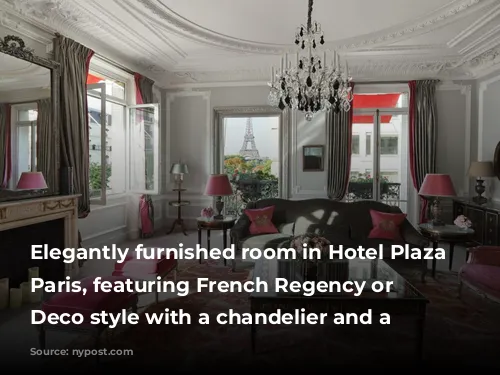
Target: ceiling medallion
311	85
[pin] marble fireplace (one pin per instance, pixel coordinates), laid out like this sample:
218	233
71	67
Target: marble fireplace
23	223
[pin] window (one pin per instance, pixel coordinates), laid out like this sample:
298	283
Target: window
389	145
107	138
23	140
368	143
355	144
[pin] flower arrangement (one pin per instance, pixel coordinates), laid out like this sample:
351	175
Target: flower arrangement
462	222
310	241
207	212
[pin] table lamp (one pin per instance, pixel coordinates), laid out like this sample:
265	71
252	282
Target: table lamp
437	186
179	170
480	169
218	185
31	181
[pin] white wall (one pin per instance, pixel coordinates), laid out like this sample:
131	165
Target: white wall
488	126
190	120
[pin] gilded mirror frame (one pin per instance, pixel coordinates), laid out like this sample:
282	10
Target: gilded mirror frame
16	47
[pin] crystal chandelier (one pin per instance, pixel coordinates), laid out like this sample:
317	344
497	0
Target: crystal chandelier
312	85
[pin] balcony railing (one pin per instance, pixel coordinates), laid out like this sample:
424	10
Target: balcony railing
390	192
247	190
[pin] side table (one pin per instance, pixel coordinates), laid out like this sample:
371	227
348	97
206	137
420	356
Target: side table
224	225
450	234
179	203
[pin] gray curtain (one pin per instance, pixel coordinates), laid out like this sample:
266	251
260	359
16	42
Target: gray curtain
75	59
45	145
144	89
4	144
423	132
338	140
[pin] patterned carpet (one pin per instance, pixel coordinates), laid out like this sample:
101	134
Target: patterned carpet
458	332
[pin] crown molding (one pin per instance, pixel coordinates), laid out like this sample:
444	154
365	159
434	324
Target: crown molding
185	28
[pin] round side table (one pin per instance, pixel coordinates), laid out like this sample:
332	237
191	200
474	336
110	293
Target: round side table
209	225
179	221
450	234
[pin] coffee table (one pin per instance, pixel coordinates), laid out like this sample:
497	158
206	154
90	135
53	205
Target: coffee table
404	300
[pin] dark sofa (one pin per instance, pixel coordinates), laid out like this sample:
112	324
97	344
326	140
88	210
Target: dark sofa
342	223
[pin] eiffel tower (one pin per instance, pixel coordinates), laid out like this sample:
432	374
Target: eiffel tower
251	152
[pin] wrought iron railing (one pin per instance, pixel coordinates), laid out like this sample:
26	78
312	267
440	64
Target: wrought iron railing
390	192
249	190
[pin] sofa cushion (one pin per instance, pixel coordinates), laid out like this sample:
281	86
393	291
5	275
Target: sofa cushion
386	225
260	219
263	241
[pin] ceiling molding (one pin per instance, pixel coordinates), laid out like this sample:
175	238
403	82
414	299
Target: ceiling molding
460	40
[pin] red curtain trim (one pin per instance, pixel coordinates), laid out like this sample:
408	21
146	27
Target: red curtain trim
138	93
8	157
423	202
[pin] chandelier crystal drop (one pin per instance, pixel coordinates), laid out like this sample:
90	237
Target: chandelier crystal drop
313	84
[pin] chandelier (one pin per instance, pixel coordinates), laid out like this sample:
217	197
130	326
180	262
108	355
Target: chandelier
312	85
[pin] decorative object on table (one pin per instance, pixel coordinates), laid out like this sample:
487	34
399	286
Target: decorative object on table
323	269
437	186
480	169
207	213
179	170
32	181
463	222
313	84
218	186
313	158
146	215
496	161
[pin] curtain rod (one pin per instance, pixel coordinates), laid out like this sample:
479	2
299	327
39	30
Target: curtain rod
380	82
114	64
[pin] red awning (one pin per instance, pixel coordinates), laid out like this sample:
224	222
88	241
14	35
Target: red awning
93	79
374	101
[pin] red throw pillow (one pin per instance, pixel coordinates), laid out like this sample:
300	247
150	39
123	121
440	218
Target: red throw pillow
261	220
386	225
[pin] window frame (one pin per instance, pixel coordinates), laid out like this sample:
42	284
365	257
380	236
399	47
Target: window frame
14	141
156	150
359	144
397	146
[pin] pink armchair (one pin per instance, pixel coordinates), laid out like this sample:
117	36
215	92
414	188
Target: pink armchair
481	273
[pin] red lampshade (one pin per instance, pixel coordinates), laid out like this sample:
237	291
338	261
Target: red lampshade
31	181
218	185
437	185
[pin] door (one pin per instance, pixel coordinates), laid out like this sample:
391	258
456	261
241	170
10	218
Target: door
379	160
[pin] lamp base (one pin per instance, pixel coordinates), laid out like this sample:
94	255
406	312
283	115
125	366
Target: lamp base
479	199
219	206
437	223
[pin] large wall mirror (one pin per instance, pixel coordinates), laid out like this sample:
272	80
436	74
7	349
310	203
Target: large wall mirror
29	121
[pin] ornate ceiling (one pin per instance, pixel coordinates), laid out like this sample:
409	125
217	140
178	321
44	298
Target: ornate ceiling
203	43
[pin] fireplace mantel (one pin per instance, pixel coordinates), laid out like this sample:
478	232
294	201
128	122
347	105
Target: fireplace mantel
15	214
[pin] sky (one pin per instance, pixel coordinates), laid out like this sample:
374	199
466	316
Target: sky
265	131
